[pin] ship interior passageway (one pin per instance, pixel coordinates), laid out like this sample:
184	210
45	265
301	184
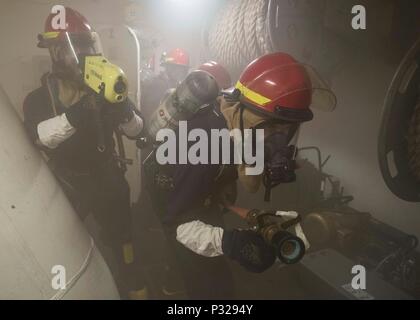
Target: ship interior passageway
210	149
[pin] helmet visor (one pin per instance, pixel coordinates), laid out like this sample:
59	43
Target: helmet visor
323	98
68	52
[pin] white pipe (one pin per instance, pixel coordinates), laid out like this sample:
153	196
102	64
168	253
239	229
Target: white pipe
39	229
138	90
138	62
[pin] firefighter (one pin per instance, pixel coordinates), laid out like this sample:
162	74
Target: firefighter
59	121
274	93
176	64
171	284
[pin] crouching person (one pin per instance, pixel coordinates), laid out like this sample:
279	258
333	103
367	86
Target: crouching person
274	93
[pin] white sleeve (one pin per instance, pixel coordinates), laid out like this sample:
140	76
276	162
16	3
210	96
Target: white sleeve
133	127
201	238
54	131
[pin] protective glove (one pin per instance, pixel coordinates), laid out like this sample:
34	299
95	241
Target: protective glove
122	112
79	114
249	249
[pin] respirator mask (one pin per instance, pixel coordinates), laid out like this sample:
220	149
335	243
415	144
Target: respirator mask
279	155
280	140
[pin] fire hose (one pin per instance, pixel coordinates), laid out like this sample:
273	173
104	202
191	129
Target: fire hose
276	230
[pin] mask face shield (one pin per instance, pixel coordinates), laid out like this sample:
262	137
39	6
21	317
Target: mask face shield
68	53
176	73
322	96
280	140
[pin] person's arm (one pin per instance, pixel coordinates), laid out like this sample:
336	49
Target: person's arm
128	118
190	183
51	132
244	246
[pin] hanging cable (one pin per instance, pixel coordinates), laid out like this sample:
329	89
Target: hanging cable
70	284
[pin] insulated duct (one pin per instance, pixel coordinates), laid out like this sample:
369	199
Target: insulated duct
239	34
39	230
243	30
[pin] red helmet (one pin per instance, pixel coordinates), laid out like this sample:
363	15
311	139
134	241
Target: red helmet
176	56
277	85
69	43
218	72
76	25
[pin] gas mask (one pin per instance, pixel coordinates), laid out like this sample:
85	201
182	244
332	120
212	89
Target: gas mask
279	156
279	153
